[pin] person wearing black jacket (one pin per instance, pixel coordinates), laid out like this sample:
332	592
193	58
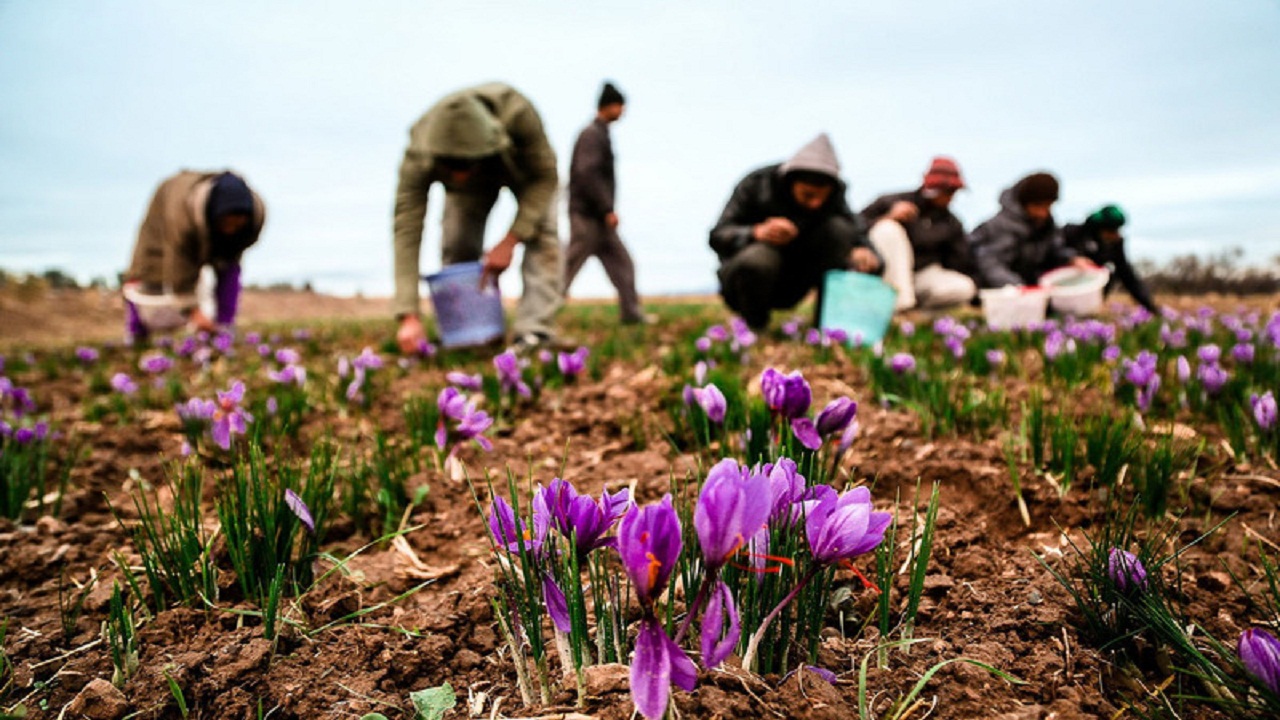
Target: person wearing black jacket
1098	238
926	256
784	226
593	221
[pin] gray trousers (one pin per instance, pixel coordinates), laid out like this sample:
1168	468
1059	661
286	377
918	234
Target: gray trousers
465	216
590	236
763	277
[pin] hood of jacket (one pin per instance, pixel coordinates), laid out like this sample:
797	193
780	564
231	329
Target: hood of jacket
817	156
462	126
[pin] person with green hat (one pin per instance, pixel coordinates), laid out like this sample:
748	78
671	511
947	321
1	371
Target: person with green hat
475	142
1098	238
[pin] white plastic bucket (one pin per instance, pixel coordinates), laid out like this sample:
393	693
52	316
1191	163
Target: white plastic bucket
1013	306
466	314
857	303
1075	291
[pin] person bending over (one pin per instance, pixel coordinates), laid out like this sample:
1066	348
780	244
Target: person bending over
1098	238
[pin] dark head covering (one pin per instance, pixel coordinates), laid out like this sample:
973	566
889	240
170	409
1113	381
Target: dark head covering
1036	188
229	196
610	95
1108	217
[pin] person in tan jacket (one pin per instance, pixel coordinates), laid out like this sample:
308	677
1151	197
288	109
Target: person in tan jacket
195	219
475	142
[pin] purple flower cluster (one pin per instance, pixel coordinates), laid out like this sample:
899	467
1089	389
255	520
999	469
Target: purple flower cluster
358	368
123	384
16	404
511	374
225	415
1142	372
155	363
572	364
469	423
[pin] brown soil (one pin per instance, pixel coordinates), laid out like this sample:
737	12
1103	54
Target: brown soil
987	598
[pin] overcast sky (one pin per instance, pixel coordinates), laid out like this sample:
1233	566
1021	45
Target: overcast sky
1167	107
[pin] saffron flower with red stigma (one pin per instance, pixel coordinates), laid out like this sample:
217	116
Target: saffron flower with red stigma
711	400
649	543
572	364
841	527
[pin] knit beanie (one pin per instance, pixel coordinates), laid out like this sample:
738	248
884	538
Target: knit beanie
229	196
817	156
1109	217
610	95
943	174
1039	187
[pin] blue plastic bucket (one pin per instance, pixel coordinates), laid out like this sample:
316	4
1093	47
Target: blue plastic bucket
857	303
465	313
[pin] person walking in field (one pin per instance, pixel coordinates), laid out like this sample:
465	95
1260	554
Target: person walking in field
195	220
1098	238
784	226
926	257
593	220
1022	241
475	142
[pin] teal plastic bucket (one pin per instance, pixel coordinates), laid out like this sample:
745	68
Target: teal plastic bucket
857	303
466	314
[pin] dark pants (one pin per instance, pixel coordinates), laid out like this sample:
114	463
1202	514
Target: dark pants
590	236
762	277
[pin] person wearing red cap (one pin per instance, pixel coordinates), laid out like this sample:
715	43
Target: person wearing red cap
926	258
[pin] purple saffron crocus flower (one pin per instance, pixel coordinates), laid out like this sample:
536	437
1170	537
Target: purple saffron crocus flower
123	384
579	516
86	355
572	364
907	328
712	402
791	328
1209	353
299	509
1182	369
996	357
717	333
1260	653
223	342
509	374
289	375
509	532
844	526
649	544
702	344
836	416
787	395
1126	570
467	382
197	410
1243	353
229	418
367	360
902	363
1213	377
155	363
729	511
288	356
1264	409
700	372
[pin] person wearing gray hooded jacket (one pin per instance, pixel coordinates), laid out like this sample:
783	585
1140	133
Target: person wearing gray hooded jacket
475	142
784	226
1022	241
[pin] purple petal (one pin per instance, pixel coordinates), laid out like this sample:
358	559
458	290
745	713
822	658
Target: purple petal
806	433
721	605
299	508
651	670
557	605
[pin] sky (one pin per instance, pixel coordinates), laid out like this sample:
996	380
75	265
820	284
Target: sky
1168	107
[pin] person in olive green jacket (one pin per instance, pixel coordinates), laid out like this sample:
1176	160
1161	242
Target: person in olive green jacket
195	219
475	142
